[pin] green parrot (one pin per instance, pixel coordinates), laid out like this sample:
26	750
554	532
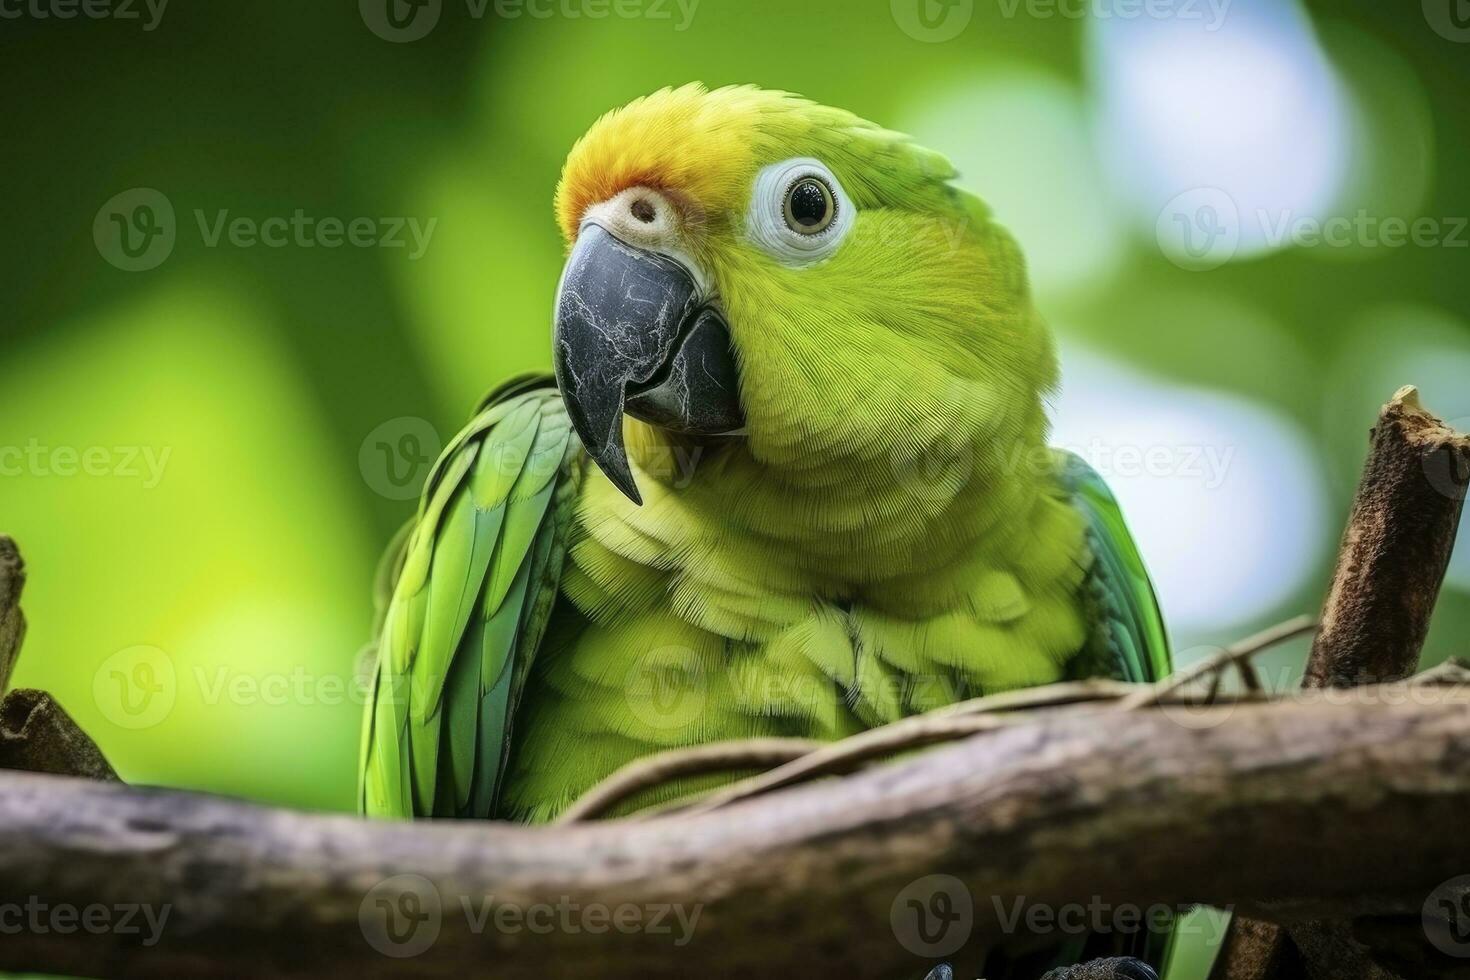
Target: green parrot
790	478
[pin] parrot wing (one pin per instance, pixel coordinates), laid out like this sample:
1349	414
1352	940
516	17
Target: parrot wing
473	581
1130	643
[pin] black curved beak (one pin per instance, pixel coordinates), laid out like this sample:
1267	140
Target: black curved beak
633	334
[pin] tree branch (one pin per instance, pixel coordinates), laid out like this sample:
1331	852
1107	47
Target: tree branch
1394	553
1074	807
36	735
12	622
1395	549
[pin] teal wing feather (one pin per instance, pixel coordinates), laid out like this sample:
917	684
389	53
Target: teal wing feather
1130	641
473	582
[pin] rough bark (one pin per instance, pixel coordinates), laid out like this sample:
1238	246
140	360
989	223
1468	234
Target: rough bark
1395	549
12	622
36	735
1240	807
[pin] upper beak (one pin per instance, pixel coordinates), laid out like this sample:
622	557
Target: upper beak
634	334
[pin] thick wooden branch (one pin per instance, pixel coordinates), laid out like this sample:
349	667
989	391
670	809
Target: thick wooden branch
1241	806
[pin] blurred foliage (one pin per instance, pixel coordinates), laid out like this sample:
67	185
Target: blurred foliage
260	372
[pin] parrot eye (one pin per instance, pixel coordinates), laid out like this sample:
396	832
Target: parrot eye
810	206
799	214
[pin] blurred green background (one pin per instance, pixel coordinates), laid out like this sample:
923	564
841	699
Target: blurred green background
202	460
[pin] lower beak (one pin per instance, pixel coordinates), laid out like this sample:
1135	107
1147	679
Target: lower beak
633	334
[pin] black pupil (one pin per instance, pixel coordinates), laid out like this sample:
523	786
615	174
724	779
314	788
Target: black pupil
809	204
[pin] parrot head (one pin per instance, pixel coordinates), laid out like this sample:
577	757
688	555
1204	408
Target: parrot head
745	261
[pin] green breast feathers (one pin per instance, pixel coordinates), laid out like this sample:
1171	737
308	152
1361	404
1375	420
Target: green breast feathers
539	634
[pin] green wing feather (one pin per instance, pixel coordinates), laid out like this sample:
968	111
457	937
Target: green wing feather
473	581
1130	641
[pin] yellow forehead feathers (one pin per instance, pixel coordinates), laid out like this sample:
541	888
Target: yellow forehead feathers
706	147
687	141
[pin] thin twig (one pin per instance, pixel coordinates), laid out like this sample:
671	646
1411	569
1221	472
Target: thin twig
792	766
1451	673
1233	654
850	754
1050	696
656	770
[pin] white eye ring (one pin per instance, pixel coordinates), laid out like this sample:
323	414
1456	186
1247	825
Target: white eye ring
768	227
